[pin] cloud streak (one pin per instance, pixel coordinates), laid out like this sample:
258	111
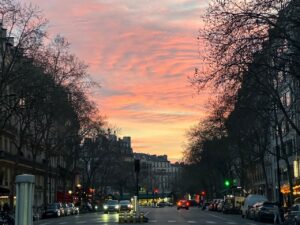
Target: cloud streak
141	51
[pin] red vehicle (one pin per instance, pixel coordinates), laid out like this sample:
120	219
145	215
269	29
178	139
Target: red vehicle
183	204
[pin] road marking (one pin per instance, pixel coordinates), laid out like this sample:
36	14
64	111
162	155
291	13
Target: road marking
210	222
171	221
191	221
229	222
152	221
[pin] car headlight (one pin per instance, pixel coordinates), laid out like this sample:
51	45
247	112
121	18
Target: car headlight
105	207
116	207
96	207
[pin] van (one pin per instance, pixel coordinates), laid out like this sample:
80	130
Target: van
249	202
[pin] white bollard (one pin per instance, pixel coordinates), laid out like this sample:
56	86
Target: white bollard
25	190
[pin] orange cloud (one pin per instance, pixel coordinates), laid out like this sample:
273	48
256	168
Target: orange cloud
141	53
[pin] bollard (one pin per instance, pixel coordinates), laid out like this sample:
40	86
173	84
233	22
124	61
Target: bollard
121	217
24	191
125	217
141	217
134	217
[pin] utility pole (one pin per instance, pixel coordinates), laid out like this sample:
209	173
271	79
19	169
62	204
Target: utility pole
137	171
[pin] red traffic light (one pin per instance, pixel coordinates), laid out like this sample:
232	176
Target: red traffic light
203	193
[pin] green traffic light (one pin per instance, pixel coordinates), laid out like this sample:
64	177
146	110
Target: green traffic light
227	183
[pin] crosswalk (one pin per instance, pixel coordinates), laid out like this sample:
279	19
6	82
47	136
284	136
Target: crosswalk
155	221
203	222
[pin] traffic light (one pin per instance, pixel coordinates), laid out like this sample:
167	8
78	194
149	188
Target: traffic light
227	183
203	193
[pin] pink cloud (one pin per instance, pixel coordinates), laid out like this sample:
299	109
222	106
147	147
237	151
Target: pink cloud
142	54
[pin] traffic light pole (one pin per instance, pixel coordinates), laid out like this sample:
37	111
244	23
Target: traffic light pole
137	184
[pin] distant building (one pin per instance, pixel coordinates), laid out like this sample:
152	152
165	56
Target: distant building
159	175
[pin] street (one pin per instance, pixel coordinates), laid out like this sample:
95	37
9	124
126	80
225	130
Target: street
156	216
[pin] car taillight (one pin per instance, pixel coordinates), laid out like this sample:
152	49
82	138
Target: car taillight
187	204
179	203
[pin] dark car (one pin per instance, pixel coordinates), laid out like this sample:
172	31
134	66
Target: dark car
183	204
264	211
161	204
293	215
111	206
125	205
52	210
6	218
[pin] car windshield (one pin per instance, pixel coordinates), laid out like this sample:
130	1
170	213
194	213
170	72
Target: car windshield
124	202
52	206
112	202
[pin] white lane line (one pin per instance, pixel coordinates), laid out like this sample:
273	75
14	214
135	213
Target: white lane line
152	221
171	221
210	222
191	221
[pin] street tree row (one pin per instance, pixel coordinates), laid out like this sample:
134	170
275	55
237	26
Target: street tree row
44	104
253	64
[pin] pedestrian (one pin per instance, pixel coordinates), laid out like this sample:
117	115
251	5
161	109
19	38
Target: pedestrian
277	216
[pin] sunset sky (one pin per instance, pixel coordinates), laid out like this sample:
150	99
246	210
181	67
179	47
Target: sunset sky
141	52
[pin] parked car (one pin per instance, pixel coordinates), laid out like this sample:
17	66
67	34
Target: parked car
249	202
61	208
293	215
74	209
52	210
183	204
264	211
6	218
125	205
67	209
220	206
232	204
215	204
161	204
111	206
252	210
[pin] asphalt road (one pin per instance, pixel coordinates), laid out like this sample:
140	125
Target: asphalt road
157	216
